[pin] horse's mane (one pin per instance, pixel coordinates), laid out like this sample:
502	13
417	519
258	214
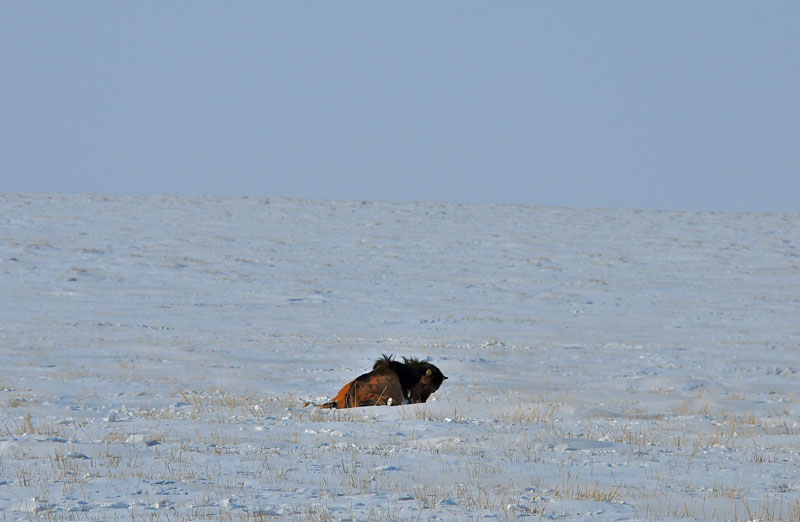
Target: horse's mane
385	360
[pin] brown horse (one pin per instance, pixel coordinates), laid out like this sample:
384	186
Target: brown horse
391	383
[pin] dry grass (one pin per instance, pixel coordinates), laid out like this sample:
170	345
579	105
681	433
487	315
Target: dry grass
232	440
529	414
595	492
18	427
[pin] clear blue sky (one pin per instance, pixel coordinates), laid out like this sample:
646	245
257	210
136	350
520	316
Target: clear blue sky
680	105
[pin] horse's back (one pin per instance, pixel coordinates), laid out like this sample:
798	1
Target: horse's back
370	389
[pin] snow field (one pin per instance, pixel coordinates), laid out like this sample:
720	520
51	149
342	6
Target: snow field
603	365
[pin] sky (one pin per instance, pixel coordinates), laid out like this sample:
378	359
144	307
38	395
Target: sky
676	105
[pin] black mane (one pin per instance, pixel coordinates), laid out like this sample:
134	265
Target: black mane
410	372
385	359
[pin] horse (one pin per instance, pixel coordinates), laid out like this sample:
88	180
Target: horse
390	383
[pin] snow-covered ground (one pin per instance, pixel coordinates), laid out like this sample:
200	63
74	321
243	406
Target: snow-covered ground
602	364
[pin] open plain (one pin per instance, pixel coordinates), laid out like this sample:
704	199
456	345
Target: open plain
603	364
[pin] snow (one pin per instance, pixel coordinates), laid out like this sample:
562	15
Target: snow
602	364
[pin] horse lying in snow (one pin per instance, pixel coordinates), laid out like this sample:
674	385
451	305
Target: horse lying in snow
391	383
